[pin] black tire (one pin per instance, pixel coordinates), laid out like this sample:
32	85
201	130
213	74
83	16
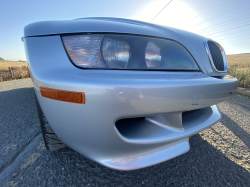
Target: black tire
51	140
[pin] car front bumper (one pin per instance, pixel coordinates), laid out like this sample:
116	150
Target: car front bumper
131	119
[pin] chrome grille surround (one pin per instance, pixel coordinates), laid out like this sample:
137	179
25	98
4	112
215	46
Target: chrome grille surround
210	56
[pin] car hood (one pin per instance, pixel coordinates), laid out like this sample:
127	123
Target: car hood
101	24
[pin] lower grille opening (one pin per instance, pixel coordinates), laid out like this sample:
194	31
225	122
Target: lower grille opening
159	126
194	118
139	128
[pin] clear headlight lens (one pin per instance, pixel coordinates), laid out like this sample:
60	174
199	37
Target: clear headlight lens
127	52
153	55
115	53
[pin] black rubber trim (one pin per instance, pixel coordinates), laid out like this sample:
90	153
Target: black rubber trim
40	115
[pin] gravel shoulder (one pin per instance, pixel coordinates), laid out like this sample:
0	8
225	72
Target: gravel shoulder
219	156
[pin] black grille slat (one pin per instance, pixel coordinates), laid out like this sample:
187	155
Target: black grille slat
216	56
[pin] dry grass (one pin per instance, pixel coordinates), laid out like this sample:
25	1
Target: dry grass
19	70
239	67
6	64
240	61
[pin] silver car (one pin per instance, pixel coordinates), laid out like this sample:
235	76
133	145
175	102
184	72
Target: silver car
124	93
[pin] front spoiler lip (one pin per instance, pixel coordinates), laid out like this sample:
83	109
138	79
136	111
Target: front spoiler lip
139	161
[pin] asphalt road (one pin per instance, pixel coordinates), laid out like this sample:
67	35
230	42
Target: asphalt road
219	156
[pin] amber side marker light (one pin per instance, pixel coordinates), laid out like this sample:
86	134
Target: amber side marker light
62	95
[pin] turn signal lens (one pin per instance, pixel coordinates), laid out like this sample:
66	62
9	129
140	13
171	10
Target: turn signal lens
84	50
62	95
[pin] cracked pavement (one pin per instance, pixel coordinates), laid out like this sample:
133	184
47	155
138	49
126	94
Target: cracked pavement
218	156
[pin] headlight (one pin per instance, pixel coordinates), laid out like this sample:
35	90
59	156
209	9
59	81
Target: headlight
127	52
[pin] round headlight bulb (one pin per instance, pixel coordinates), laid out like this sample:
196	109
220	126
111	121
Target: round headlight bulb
115	53
152	55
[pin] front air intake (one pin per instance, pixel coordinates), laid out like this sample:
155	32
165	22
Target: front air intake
164	127
216	56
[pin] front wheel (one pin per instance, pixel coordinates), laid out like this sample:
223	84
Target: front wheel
51	140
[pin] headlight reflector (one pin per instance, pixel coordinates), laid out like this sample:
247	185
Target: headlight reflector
127	52
152	55
115	53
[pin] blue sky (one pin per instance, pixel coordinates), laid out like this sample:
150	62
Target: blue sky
226	21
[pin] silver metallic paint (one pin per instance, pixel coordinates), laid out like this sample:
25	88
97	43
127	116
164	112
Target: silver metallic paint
193	42
117	94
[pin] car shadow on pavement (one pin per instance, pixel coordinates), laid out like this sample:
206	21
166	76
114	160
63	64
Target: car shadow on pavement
203	165
236	129
242	104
